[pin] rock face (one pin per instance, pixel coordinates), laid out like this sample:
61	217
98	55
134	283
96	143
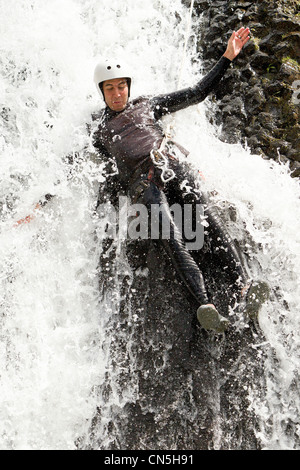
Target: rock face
258	102
170	384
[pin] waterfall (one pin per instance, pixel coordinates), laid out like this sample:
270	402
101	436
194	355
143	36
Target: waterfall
76	359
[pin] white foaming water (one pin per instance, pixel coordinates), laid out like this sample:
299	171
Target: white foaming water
53	339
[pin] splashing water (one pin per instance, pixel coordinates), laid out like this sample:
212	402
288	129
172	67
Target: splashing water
54	345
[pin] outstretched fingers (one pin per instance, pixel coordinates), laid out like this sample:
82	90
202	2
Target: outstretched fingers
236	42
243	34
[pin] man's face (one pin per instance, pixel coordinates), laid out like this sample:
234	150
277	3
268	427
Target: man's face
116	93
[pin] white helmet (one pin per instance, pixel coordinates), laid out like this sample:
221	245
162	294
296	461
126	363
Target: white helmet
108	70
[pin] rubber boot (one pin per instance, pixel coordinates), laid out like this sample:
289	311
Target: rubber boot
210	319
257	294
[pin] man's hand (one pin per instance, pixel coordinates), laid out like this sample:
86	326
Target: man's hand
37	207
236	42
28	218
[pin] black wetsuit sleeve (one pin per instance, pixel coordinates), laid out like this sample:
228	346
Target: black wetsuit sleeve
109	189
171	102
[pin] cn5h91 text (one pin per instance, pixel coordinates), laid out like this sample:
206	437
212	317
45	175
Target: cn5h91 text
169	459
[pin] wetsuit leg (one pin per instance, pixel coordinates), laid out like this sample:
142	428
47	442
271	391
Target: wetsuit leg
222	241
175	246
186	181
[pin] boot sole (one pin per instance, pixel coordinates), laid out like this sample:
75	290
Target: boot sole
210	319
257	295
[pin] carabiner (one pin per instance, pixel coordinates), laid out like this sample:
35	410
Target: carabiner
167	171
160	160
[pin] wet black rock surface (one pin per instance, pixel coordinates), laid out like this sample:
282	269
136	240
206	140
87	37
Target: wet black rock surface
258	103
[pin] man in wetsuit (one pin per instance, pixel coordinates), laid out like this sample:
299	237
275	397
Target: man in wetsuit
130	134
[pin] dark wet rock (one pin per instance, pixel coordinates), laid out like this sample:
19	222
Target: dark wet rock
182	388
264	76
